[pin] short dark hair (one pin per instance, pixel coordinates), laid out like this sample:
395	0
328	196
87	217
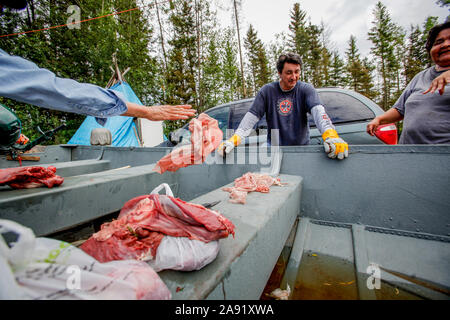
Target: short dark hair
433	33
290	58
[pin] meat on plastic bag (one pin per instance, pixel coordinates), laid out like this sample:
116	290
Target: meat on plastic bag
167	232
48	269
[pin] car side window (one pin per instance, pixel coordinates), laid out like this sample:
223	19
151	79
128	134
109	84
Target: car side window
221	115
342	108
237	112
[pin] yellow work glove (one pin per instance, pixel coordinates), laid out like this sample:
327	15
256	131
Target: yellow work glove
227	146
334	146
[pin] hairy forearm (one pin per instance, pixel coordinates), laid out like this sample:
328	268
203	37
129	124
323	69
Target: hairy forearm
158	113
136	110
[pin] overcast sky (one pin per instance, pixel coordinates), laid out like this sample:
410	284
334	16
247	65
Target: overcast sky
343	17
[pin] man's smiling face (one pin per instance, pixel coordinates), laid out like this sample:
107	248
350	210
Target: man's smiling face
289	76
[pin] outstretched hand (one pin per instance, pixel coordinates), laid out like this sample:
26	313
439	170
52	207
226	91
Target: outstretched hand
168	112
159	113
439	83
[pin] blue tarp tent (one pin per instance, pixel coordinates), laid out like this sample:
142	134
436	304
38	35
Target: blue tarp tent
123	129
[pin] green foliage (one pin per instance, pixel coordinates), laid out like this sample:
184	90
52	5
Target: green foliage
385	36
337	77
179	54
83	54
257	61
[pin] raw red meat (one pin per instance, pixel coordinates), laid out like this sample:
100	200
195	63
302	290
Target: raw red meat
205	138
145	220
250	182
30	177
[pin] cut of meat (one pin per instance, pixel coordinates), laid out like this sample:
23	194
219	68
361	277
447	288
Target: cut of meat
30	177
145	220
250	182
205	138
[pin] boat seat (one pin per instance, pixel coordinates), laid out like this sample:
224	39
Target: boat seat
245	262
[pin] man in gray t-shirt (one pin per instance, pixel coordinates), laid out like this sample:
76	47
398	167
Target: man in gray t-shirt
426	118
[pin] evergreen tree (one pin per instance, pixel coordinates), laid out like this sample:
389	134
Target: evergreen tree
366	81
299	38
276	48
313	58
230	68
384	35
211	83
257	60
82	53
353	66
337	78
415	54
444	3
181	84
359	72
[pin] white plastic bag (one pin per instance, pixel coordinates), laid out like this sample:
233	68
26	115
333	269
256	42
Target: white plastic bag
181	253
43	268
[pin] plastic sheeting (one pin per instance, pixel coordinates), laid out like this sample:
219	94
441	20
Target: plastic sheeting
123	129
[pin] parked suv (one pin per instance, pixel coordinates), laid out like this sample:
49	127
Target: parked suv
348	110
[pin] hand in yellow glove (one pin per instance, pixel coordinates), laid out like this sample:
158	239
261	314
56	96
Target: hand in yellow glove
334	146
227	146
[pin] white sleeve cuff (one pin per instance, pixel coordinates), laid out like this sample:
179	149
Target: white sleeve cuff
321	119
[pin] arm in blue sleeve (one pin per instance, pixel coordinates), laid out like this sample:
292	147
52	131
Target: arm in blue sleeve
24	81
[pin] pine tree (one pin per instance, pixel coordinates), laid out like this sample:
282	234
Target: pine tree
366	81
211	80
358	72
82	53
182	63
414	55
337	78
299	38
276	48
353	66
257	60
383	36
230	74
312	61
